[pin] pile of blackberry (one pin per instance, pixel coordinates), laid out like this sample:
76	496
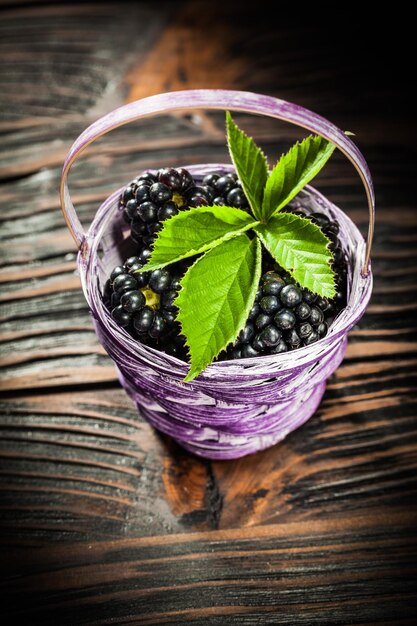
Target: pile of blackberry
153	197
284	316
143	303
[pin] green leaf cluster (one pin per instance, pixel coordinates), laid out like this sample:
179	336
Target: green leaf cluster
219	288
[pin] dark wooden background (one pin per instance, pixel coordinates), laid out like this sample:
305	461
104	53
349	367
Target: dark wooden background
104	521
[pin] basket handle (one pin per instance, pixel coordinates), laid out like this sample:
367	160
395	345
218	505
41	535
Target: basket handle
231	100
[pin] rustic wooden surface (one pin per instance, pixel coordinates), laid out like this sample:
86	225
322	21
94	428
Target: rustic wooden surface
104	521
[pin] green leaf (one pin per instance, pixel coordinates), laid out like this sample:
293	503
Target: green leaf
250	163
301	248
293	171
191	232
217	293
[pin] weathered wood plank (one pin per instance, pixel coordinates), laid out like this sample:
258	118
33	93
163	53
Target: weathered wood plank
305	573
89	457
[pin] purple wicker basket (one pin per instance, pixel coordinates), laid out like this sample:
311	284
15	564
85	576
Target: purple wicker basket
235	407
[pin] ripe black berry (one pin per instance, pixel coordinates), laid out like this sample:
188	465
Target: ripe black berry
322	329
198	196
254	312
279	348
313	336
236	197
147	178
167	299
144	255
258	344
128	194
167	210
224	184
247	333
186	179
158	326
304	330
272	284
142	194
131	208
316	316
143	303
147	211
293	339
210	179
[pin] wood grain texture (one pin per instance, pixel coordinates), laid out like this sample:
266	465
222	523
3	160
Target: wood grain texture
102	519
264	575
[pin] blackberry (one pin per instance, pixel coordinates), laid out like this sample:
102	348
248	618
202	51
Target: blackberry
304	330
124	282
272	283
224	184
119	269
151	198
279	348
303	311
292	339
144	303
171	178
